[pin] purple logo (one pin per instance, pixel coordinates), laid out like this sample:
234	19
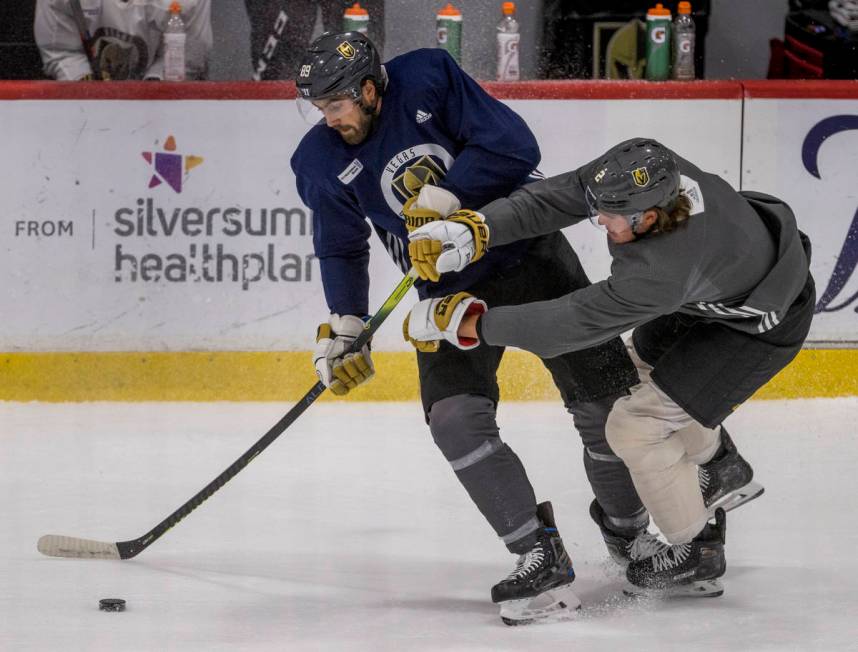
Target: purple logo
848	257
169	167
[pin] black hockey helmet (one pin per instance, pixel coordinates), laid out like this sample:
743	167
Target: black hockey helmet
337	64
632	177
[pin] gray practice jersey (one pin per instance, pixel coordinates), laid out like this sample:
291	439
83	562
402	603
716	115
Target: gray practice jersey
738	259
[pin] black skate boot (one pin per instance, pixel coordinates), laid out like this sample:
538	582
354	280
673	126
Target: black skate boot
538	589
683	569
624	544
726	480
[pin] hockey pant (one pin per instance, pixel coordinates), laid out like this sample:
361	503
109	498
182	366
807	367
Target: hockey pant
465	429
662	445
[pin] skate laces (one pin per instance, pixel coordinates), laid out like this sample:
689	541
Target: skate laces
643	545
527	563
670	556
703	477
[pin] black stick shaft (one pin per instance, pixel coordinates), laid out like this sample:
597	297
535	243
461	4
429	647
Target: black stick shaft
128	549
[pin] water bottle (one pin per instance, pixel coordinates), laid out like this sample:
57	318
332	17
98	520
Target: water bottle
174	45
508	38
658	43
683	43
356	19
449	33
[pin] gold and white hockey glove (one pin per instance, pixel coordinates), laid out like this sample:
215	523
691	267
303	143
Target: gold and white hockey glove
449	245
338	370
429	205
433	320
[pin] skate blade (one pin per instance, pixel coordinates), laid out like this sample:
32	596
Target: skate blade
700	589
736	498
549	606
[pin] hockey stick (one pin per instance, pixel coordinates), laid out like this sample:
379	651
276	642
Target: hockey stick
55	545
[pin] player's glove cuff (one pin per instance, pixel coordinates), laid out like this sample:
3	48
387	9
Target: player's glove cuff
339	370
433	320
416	217
479	231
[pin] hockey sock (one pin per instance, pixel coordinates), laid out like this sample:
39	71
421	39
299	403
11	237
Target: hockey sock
627	527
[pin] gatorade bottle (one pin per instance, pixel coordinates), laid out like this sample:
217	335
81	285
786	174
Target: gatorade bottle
683	43
508	38
174	45
449	22
356	19
658	43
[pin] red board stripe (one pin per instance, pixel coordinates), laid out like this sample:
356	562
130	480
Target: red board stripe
614	90
802	88
537	90
150	90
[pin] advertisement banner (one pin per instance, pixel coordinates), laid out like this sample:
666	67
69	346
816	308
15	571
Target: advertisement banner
175	225
806	152
156	226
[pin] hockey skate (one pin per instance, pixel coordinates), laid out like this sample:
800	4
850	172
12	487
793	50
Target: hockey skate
627	545
726	482
539	588
686	569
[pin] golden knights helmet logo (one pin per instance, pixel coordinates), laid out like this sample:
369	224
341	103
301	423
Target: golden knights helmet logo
346	50
640	176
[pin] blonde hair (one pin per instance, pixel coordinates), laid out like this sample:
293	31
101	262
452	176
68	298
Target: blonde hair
667	221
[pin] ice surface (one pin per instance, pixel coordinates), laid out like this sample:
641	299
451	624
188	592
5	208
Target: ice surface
352	533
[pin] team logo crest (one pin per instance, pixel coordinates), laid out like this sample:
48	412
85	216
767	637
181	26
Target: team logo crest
640	176
420	173
407	171
346	50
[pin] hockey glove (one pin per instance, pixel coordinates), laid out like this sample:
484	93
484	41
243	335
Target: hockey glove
338	370
449	245
432	320
416	217
431	204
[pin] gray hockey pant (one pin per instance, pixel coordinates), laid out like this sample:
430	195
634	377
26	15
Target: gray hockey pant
465	429
662	445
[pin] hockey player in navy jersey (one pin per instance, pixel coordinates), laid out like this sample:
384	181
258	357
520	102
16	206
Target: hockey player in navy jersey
400	145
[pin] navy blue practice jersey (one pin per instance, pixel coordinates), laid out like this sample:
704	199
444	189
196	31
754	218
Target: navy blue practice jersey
436	125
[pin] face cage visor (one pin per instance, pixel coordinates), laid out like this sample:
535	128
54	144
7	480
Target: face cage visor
330	108
634	219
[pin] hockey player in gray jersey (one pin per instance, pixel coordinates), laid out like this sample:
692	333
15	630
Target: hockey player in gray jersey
715	284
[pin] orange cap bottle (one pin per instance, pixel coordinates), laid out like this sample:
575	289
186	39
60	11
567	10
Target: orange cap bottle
356	19
449	31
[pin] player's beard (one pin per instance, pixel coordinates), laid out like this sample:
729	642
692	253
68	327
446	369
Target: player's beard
367	122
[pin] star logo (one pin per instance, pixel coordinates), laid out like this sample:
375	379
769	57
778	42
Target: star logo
169	167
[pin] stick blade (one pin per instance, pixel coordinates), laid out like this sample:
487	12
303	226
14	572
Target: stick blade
55	545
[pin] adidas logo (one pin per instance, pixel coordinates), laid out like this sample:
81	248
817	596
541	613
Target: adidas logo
422	116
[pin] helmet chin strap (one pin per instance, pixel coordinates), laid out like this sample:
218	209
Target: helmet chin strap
370	111
634	220
367	109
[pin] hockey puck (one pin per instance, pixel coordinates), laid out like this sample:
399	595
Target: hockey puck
111	604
